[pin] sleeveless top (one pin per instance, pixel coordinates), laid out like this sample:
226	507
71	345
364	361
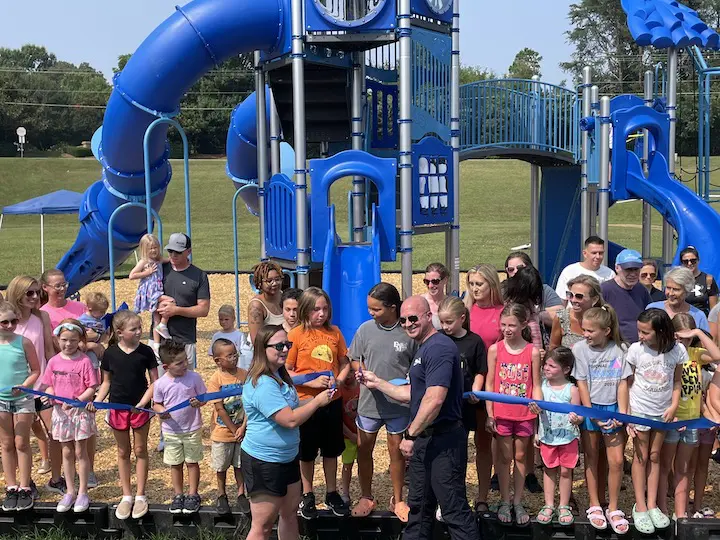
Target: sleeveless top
513	377
569	338
13	367
270	317
34	331
149	291
556	428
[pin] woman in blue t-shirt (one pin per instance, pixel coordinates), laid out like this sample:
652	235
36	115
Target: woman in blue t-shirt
270	462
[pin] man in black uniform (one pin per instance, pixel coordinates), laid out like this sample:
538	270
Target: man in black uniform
435	441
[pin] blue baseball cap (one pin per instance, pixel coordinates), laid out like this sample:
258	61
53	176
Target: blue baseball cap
629	258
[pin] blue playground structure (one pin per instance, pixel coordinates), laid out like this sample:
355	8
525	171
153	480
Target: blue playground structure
372	86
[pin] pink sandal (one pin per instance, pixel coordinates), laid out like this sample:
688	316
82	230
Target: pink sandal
400	509
617	524
364	507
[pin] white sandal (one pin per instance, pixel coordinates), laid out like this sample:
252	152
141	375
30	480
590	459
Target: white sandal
615	524
592	514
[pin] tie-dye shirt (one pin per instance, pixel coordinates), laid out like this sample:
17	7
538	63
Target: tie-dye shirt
601	369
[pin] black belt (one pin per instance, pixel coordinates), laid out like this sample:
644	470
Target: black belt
439	428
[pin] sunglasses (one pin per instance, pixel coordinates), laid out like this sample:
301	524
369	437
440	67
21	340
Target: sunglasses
412	319
173	252
689	262
650	275
32	293
578	296
434	281
279	347
511	269
9	322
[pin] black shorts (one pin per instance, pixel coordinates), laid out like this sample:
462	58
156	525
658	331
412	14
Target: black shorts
40	406
267	477
323	432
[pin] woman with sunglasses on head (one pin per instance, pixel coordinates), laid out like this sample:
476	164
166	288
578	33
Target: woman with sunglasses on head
265	308
436	276
270	457
551	302
648	275
705	294
583	293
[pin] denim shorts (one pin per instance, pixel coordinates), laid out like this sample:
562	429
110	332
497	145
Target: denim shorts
687	436
590	425
24	405
642	427
394	426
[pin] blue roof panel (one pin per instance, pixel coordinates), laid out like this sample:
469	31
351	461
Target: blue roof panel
667	23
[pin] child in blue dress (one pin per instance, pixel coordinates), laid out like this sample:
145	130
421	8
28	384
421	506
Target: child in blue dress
149	271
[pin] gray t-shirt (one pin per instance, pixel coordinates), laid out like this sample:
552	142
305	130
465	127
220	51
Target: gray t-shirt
388	354
186	287
714	312
550	297
602	369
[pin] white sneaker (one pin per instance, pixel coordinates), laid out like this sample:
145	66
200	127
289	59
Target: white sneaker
438	515
162	329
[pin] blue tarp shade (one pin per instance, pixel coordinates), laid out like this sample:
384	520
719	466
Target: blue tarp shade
58	202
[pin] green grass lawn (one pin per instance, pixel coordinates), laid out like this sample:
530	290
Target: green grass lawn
494	214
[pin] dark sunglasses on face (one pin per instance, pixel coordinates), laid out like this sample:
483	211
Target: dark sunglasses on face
9	322
32	293
511	269
279	347
412	319
173	252
434	281
689	262
578	296
650	275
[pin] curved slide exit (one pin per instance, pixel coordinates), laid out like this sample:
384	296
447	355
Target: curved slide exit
196	38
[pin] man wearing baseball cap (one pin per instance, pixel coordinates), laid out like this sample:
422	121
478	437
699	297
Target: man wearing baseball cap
189	289
626	294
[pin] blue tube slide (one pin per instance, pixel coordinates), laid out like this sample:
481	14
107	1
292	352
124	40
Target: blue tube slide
196	38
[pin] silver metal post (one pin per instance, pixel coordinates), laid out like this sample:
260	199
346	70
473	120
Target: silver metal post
262	148
298	76
405	144
535	213
585	153
275	137
358	183
646	208
604	185
593	171
667	234
452	238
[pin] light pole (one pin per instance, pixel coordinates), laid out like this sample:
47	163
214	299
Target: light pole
21	132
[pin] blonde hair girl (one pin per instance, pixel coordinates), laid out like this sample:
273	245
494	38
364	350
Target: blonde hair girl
149	270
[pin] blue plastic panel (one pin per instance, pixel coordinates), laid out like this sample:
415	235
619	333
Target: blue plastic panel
381	171
440	10
280	222
433	186
431	70
382	18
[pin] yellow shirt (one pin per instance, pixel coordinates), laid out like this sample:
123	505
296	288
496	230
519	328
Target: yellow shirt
692	390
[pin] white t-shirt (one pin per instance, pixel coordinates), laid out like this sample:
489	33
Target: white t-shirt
242	344
651	390
574	270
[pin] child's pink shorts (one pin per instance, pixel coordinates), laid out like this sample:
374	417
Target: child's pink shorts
562	455
518	428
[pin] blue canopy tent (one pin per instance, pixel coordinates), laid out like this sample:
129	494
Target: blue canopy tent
58	202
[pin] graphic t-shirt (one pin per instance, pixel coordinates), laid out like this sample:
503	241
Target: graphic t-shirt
171	391
233	405
69	377
71	310
601	369
700	295
314	350
692	386
651	390
513	377
350	396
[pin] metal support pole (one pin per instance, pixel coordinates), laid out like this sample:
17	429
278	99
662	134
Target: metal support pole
452	238
42	243
667	234
593	172
604	185
298	77
585	153
358	135
405	144
275	137
535	213
646	208
262	147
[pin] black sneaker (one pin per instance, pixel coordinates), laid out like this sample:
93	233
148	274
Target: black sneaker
59	487
222	506
11	500
532	484
242	505
192	504
24	500
307	506
178	503
494	483
335	503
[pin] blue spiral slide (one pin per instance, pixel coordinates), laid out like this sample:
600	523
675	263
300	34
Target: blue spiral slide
196	38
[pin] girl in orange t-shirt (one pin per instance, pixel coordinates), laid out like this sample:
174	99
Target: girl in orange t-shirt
319	346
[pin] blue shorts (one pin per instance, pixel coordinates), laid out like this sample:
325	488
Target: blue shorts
589	425
394	426
690	437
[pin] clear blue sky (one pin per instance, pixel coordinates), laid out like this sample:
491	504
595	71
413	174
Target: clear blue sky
97	31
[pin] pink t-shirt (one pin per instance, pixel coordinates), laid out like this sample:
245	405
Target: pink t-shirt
34	331
170	391
71	310
69	378
485	322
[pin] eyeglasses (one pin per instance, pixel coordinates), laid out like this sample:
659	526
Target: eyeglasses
412	319
32	293
60	286
9	322
511	269
228	357
274	281
689	262
434	281
651	275
279	347
578	296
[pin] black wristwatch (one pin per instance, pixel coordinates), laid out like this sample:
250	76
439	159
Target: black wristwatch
408	437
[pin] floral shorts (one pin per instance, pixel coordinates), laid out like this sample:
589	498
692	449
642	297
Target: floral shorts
72	425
